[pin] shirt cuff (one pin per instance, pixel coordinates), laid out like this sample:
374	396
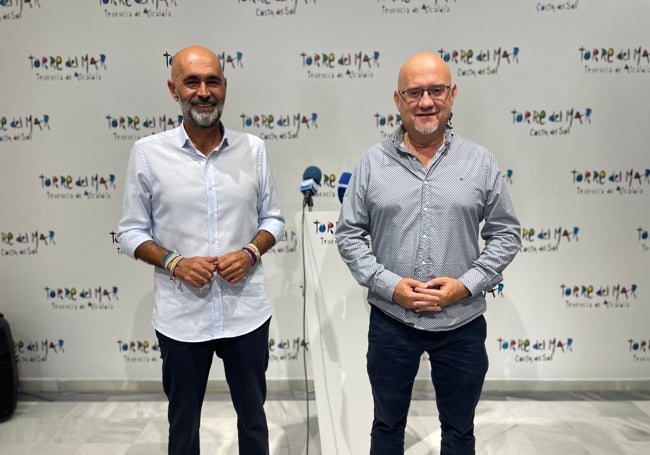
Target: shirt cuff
273	227
386	283
130	242
473	280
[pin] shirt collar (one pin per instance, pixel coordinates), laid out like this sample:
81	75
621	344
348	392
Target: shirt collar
398	137
184	142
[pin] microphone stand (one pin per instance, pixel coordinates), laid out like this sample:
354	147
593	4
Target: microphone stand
309	203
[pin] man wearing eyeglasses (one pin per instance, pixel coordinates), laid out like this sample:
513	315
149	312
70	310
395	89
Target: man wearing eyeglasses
408	230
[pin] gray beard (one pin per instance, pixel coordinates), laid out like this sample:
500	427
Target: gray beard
426	131
205	120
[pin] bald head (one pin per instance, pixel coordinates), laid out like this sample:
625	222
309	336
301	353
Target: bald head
420	66
191	56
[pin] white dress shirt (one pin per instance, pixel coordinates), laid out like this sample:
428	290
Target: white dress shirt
201	206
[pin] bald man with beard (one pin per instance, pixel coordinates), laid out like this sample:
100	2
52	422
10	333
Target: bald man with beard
201	206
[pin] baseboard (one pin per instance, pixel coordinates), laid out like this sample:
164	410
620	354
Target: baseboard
578	385
298	385
146	386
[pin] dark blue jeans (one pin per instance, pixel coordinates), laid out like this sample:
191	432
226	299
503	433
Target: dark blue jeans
186	367
459	364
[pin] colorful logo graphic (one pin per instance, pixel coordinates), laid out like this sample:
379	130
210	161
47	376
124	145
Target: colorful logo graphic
640	349
480	62
139	9
387	123
589	296
616	181
21	128
138	351
610	60
74	298
93	186
325	230
344	65
547	239
13	10
543	123
25	243
327	227
84	67
285	348
535	351
134	127
275	127
38	350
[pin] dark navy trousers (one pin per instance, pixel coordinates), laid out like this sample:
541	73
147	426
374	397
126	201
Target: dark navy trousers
186	367
459	364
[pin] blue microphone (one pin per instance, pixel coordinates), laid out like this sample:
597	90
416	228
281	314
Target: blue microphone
309	185
343	185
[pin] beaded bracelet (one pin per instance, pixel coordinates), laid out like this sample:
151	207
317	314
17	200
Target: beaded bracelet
171	260
174	262
253	253
251	257
256	251
167	258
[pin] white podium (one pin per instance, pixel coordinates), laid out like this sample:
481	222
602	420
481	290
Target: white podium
337	324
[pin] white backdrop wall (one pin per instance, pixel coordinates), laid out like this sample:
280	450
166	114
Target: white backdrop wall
558	90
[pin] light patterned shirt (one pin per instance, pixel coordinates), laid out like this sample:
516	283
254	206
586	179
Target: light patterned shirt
400	220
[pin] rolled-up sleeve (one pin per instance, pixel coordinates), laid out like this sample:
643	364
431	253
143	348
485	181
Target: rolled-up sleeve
136	222
268	204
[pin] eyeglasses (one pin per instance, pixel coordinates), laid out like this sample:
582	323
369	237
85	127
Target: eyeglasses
413	95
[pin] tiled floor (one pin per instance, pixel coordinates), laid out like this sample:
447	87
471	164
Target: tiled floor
554	423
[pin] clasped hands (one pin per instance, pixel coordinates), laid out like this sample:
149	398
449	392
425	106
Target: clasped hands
198	271
433	295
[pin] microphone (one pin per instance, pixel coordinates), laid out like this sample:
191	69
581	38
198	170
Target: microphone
309	185
343	184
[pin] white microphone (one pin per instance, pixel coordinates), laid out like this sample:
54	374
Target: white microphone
309	185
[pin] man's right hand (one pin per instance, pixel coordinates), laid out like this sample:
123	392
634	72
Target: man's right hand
196	271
